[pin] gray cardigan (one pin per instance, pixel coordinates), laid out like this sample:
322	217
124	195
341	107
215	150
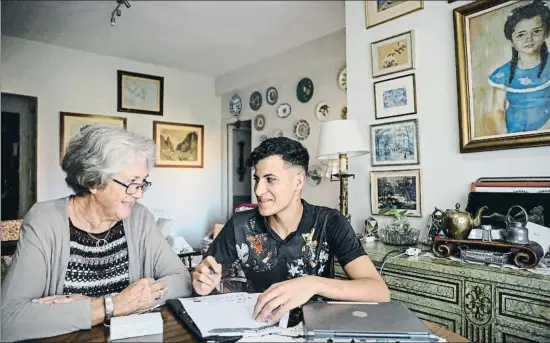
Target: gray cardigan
39	265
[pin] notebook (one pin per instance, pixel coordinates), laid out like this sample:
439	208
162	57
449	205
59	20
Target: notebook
228	314
359	320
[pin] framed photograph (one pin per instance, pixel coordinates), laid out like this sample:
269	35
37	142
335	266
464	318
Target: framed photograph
381	11
71	123
140	93
397	189
179	145
393	54
395	97
503	74
394	144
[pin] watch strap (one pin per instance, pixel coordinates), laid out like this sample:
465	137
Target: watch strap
109	310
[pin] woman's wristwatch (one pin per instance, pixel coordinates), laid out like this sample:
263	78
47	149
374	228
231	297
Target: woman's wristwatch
109	309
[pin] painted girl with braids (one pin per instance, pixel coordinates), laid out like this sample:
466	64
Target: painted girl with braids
521	95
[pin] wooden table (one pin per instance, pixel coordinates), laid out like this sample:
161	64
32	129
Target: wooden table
174	331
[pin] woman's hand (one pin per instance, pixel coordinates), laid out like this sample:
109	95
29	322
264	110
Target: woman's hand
141	295
61	299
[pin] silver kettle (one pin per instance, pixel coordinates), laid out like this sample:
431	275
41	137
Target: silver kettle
516	232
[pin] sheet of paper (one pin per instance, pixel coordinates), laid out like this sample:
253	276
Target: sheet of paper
228	314
540	234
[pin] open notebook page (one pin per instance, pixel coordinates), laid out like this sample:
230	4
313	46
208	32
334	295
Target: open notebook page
228	314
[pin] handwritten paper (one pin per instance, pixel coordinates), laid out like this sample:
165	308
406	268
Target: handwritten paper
228	314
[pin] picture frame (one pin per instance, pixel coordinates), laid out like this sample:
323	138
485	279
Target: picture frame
71	123
393	54
397	189
381	11
140	93
179	145
495	105
395	143
395	97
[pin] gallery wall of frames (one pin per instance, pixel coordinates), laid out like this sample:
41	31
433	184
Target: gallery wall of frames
179	145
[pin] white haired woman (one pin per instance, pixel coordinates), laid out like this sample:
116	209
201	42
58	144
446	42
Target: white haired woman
95	254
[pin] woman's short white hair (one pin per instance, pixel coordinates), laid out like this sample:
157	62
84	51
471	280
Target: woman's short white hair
99	152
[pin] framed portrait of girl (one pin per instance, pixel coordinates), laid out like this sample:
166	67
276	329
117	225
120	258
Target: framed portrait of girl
503	74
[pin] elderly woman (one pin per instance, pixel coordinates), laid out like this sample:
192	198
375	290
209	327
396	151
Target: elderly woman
82	259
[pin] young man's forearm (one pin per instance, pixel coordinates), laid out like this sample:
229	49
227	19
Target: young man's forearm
352	290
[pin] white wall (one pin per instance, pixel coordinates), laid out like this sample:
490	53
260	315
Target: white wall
446	173
75	81
321	60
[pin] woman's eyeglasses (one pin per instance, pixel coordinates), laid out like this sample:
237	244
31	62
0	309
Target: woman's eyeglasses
133	188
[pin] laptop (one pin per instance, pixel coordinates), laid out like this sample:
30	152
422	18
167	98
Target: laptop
367	322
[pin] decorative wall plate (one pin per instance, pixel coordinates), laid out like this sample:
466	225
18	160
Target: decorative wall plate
284	110
343	79
263	138
235	105
302	129
271	95
304	90
314	175
259	122
323	111
256	100
278	133
344	113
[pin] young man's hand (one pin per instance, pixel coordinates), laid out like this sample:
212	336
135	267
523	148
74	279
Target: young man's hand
206	276
284	296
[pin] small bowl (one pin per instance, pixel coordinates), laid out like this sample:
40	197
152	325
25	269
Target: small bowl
392	236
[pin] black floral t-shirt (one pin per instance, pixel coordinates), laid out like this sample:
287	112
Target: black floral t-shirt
247	245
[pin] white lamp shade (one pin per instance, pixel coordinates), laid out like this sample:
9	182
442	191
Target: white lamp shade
340	137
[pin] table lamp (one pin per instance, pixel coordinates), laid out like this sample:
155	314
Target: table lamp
341	139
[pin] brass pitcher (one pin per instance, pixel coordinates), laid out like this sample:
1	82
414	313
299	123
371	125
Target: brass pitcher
457	224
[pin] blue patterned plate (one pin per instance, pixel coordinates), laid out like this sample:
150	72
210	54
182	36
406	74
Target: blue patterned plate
235	105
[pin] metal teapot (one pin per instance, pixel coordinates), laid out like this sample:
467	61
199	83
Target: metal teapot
516	232
457	224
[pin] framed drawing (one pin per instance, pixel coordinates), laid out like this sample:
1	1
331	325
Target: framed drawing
395	97
179	145
381	11
140	93
71	123
393	54
503	74
395	143
398	189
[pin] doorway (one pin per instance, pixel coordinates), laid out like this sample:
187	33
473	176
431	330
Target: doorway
19	125
239	177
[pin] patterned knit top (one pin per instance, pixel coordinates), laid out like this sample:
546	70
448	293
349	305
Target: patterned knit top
96	269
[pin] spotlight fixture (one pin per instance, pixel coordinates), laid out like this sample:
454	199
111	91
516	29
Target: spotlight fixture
117	11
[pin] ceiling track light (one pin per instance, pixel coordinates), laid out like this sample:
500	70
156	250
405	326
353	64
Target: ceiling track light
117	11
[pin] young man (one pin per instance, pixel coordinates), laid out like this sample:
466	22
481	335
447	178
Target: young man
286	237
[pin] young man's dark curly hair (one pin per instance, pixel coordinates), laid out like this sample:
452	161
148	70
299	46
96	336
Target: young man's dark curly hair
292	152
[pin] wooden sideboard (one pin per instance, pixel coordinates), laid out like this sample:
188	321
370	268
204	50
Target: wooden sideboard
481	303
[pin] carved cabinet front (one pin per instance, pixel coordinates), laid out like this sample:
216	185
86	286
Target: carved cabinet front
490	306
